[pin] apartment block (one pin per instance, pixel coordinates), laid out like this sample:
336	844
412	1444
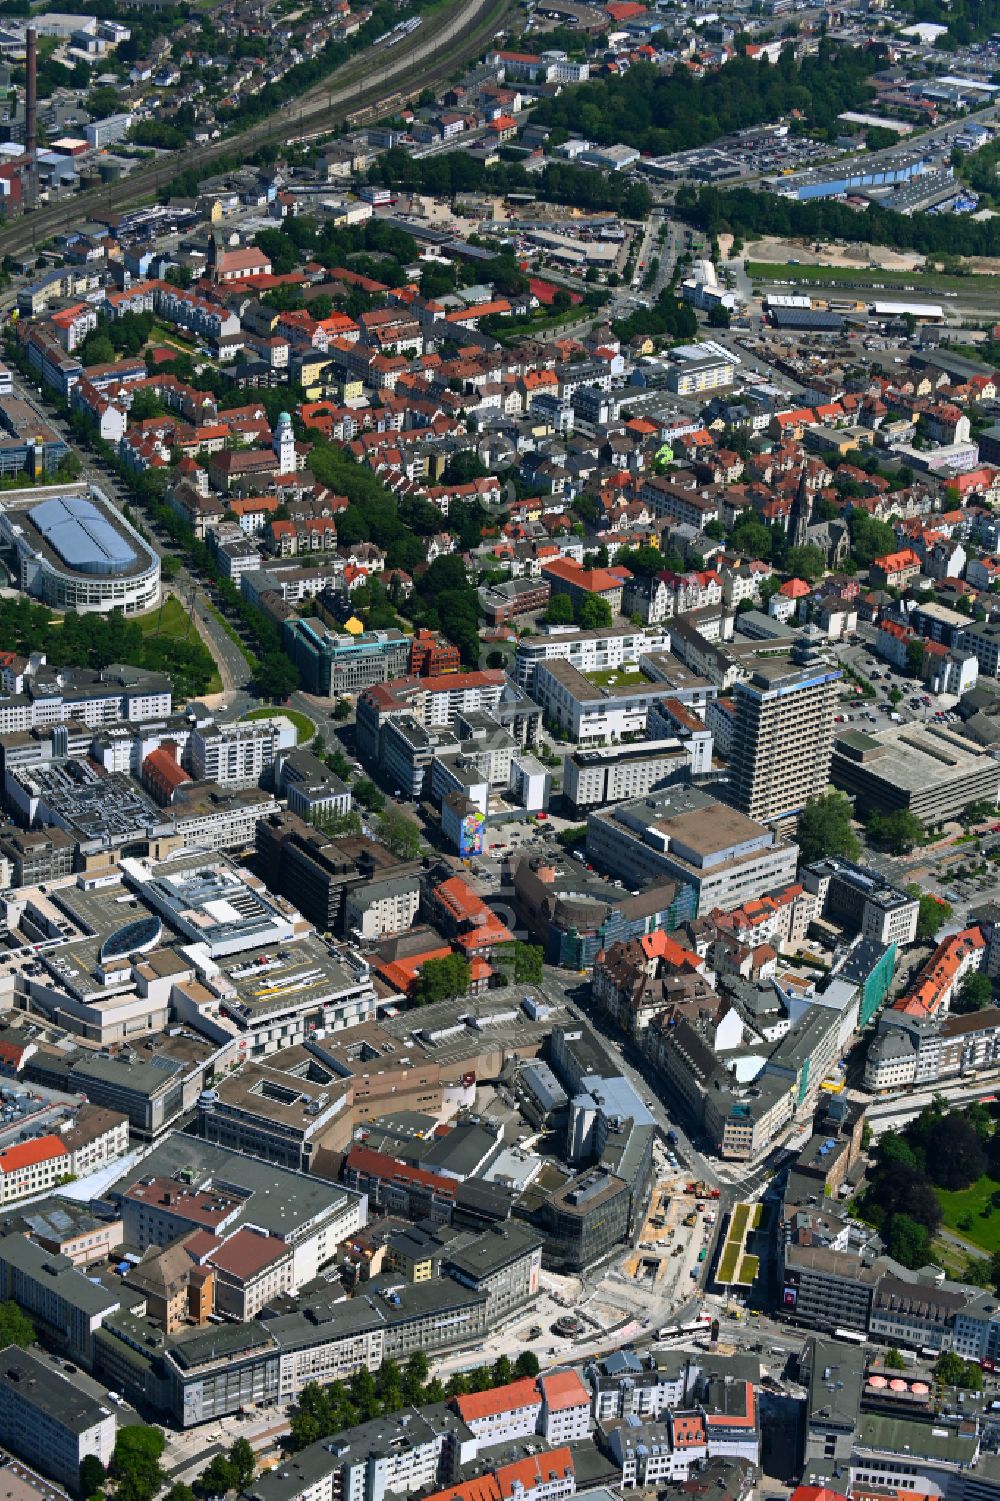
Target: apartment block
239	754
590	651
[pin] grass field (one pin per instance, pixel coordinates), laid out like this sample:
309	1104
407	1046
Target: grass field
969	1212
618	677
850	276
172	621
305	729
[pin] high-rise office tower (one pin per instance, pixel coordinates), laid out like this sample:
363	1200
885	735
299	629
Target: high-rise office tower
782	736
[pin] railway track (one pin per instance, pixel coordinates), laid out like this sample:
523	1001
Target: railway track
364	86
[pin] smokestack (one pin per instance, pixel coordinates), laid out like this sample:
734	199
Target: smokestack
31	106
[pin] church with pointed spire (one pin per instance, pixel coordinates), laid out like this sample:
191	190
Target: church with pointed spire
831	537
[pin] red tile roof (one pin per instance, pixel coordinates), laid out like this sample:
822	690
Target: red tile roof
473	1406
534	1471
28	1153
482	1488
365	1160
593	580
563	1389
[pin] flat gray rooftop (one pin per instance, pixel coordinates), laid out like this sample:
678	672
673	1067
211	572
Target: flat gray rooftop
280	1201
33	1381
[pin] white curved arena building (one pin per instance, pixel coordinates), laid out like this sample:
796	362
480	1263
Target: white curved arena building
72	550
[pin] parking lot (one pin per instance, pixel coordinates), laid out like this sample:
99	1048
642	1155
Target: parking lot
877	711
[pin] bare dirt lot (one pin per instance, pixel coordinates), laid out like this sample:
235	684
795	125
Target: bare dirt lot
854	256
859	256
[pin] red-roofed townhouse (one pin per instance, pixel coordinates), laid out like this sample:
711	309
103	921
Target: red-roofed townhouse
565	1407
32	1167
951	961
894	570
538	1477
501	1413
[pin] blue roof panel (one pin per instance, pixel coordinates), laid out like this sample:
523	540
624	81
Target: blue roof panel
83	537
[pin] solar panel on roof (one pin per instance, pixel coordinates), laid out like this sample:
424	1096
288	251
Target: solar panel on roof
83	537
811	318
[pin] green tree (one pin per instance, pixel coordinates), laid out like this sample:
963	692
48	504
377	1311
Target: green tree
337	825
15	1326
218	1477
976	811
440	979
180	1492
462	468
825	828
893	1360
952	1370
276	677
91	1475
399	832
559	610
570	837
368	795
97	349
870	539
805	563
593	613
363	1395
389	1386
145	403
526	1366
974	993
335	759
528	963
896	832
243	1461
103	101
908	1242
415	1374
978	1269
933	912
135	1463
915	653
954	1154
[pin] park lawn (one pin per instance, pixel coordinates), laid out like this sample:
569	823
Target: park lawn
173	622
971	1203
305	729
